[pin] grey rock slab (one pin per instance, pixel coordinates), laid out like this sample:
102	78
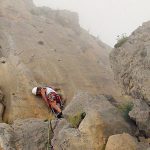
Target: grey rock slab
141	115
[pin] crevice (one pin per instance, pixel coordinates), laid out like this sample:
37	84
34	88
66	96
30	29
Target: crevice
141	133
111	100
124	109
105	143
51	133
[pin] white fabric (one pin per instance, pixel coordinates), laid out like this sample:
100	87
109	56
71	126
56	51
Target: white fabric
49	90
34	90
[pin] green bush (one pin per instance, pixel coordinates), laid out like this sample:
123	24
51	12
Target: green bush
76	119
125	109
121	40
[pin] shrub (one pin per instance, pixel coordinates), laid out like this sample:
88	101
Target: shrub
121	40
76	119
125	109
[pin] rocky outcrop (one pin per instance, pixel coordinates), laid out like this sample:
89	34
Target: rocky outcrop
92	131
7	140
29	134
121	142
131	66
141	115
102	120
131	63
125	142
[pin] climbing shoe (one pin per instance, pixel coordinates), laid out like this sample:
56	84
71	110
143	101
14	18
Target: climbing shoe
59	115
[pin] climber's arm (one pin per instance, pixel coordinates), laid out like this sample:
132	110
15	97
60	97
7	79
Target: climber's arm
43	93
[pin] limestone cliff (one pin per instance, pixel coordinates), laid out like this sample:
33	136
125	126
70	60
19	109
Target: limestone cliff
131	63
41	46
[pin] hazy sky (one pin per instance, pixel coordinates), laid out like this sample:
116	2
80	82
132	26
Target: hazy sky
105	18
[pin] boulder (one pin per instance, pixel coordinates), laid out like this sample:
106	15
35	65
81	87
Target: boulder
31	134
28	134
141	115
121	142
66	137
125	142
7	137
102	120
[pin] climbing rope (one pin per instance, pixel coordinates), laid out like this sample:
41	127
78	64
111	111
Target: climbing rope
49	144
51	130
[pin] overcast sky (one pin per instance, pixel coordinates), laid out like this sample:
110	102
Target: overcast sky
105	18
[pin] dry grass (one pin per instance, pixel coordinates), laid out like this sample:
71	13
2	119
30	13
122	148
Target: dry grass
76	119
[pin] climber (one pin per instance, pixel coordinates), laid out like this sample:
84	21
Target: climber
52	99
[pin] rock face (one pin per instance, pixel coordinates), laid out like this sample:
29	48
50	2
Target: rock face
102	120
131	63
141	115
29	134
6	137
40	46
